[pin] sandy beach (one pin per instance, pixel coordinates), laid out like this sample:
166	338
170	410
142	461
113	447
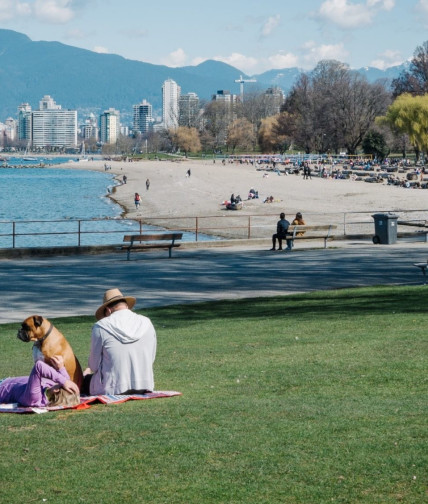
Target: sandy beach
172	194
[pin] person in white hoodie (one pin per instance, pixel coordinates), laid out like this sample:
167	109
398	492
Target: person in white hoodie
123	349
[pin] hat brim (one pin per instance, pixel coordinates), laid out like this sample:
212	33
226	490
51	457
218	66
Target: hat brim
130	301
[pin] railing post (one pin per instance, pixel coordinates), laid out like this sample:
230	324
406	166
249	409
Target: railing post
13	234
78	233
344	223
141	226
249	226
196	228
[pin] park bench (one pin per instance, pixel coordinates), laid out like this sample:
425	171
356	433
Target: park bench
151	241
322	232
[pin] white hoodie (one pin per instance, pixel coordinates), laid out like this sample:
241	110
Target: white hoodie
123	349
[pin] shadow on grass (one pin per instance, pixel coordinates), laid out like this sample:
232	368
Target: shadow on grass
361	301
334	303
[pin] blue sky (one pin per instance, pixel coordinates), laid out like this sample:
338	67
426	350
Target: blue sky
253	36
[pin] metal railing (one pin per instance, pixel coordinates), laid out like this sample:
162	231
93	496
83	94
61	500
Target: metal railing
229	225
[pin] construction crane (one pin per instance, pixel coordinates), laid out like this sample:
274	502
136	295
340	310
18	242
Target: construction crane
242	81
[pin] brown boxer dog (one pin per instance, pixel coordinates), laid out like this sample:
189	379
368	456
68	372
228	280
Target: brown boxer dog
49	341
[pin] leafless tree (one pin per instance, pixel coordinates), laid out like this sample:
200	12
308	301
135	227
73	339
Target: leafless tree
415	79
332	108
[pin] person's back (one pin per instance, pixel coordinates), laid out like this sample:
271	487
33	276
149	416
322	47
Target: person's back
281	231
125	361
123	349
282	227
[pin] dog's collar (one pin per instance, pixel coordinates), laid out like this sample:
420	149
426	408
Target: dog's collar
40	341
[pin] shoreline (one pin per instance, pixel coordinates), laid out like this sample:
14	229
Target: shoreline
172	194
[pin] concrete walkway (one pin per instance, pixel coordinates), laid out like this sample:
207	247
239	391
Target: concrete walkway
74	285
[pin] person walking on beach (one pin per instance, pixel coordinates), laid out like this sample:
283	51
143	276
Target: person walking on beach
137	200
188	173
147	184
281	231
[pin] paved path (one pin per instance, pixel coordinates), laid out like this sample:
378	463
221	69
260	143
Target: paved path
67	286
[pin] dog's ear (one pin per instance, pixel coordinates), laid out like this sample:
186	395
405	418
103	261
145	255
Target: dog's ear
38	320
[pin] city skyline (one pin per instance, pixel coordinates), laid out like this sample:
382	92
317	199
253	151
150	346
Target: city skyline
250	35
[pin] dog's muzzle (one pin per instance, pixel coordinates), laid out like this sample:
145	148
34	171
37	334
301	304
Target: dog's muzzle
23	336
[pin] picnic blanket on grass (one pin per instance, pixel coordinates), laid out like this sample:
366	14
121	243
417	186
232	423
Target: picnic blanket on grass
87	401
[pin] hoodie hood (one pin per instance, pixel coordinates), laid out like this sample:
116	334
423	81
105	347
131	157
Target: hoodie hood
125	325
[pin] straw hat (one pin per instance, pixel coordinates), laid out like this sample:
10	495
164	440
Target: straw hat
111	296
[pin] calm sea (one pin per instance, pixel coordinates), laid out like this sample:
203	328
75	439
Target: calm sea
55	200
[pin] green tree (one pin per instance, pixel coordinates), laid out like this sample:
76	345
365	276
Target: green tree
374	143
409	115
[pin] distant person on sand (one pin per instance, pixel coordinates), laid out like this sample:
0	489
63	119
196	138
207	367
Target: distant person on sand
124	178
137	200
147	184
281	232
188	173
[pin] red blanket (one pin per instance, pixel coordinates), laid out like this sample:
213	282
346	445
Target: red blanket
86	401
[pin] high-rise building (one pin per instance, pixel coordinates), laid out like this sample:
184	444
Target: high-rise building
90	128
48	103
274	99
109	126
143	117
225	97
188	110
52	126
170	96
10	128
25	121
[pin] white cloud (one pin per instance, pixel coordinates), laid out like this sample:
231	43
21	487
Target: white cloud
346	14
387	59
198	60
382	4
270	25
422	8
50	11
314	54
282	60
10	9
101	50
239	61
175	59
54	11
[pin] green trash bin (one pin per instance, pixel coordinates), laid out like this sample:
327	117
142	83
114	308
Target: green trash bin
385	228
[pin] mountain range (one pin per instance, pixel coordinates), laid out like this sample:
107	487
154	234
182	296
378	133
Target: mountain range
92	82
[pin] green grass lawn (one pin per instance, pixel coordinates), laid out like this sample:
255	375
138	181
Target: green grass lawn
315	398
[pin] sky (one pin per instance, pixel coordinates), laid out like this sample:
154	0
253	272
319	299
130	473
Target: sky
252	35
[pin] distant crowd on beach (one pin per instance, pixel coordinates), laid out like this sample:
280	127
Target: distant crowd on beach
396	172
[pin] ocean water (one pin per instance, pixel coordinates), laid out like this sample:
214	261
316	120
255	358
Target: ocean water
47	197
48	207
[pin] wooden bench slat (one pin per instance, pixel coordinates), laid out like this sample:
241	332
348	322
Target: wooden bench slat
153	237
150	241
295	229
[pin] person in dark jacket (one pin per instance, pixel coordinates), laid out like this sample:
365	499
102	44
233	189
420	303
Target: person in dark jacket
281	232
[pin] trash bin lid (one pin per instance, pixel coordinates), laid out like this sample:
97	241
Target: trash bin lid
385	216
